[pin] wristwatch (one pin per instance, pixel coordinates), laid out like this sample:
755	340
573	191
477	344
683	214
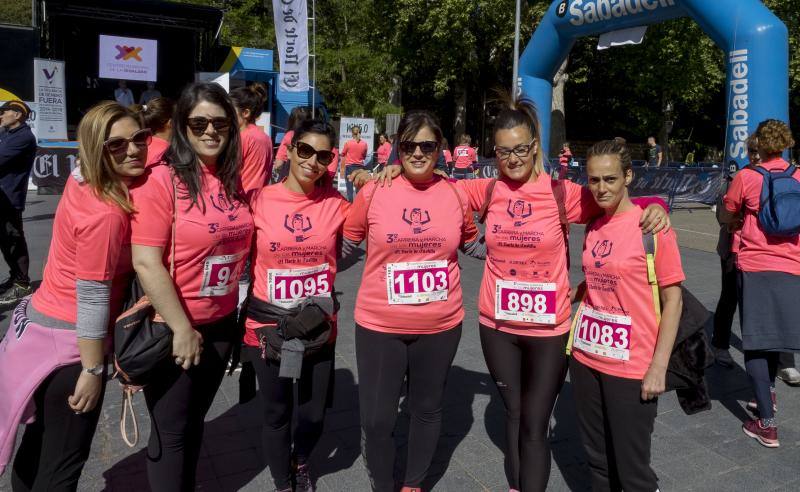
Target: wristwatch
97	370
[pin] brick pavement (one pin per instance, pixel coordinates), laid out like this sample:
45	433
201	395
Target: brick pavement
702	452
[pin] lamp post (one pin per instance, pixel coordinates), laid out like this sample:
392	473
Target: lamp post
515	76
668	124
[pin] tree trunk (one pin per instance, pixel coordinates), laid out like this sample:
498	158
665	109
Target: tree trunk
558	124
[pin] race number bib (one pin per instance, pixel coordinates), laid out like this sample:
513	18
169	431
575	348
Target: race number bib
221	274
606	335
525	301
417	282
287	288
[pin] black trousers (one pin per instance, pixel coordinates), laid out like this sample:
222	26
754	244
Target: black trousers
616	428
12	241
178	402
529	373
384	361
56	446
277	395
726	306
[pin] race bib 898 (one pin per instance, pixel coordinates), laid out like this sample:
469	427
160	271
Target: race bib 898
527	302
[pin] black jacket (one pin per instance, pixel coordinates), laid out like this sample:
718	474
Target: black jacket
17	153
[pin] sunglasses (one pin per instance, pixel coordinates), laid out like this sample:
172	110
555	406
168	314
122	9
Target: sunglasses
199	124
520	151
119	145
306	151
427	147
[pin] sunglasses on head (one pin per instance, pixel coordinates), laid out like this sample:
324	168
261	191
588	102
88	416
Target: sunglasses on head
306	151
119	145
427	147
199	124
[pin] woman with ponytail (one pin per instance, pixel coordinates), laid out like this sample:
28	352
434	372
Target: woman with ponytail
157	116
256	145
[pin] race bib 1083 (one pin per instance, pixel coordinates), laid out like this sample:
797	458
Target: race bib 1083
417	282
603	334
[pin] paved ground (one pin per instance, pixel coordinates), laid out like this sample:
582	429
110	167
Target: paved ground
702	452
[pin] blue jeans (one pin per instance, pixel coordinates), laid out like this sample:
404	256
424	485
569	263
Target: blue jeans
462	173
348	169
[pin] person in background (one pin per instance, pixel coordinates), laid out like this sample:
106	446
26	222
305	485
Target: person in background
157	116
448	156
17	153
353	153
564	159
297	116
123	95
150	94
465	156
256	168
654	153
384	150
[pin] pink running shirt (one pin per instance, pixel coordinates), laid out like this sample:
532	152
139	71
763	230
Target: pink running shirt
296	246
155	151
464	156
526	257
256	158
411	282
211	247
280	155
757	251
354	152
448	157
383	152
616	330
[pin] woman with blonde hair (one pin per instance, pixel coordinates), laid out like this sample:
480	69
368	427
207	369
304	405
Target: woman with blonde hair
54	355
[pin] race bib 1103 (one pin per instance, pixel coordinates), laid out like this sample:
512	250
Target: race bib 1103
527	302
417	282
603	334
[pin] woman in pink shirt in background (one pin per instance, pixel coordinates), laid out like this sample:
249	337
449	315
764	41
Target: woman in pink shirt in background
465	156
384	150
622	344
256	168
769	280
157	116
448	157
409	307
354	153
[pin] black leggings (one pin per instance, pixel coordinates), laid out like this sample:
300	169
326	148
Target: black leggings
384	361
178	401
55	447
529	372
277	394
762	367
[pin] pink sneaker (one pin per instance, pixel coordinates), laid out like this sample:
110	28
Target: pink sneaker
766	436
753	406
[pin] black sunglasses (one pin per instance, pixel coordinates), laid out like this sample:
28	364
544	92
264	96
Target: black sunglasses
119	145
306	151
198	124
427	147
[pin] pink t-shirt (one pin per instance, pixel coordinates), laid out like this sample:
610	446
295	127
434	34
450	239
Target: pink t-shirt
616	328
155	151
448	157
256	158
757	251
296	246
280	155
333	167
91	241
465	156
412	281
383	151
211	246
354	152
526	256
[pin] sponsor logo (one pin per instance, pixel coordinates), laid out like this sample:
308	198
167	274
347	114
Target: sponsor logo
126	53
297	224
739	97
517	210
561	10
50	74
602	250
415	219
590	11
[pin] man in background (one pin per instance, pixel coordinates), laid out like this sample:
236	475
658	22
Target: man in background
654	153
122	94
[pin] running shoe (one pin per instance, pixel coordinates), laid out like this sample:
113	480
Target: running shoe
766	436
752	405
302	479
16	293
723	357
790	376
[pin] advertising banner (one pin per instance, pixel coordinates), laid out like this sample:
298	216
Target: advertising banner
48	83
367	126
291	29
128	58
52	167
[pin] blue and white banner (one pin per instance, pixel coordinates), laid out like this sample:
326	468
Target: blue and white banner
291	29
48	86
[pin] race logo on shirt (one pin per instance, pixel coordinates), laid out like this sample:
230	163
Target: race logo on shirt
416	218
601	250
298	224
518	211
224	205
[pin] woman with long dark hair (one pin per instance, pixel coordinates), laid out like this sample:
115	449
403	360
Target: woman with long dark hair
191	214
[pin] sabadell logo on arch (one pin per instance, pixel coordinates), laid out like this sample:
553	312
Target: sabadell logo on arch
590	11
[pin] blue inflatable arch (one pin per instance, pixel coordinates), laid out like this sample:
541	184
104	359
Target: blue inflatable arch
754	40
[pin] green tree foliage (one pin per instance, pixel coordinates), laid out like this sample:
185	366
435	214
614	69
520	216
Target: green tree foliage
16	12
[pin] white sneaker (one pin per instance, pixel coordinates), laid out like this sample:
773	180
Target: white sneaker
723	357
790	376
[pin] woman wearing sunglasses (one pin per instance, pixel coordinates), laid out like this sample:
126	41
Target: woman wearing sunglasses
298	226
409	307
199	189
256	145
53	356
524	299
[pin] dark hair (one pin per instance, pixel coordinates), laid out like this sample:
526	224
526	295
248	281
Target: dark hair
297	116
520	112
182	157
614	148
414	121
155	114
318	127
251	97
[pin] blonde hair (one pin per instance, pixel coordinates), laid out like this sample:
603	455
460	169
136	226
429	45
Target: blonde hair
773	138
95	163
521	112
